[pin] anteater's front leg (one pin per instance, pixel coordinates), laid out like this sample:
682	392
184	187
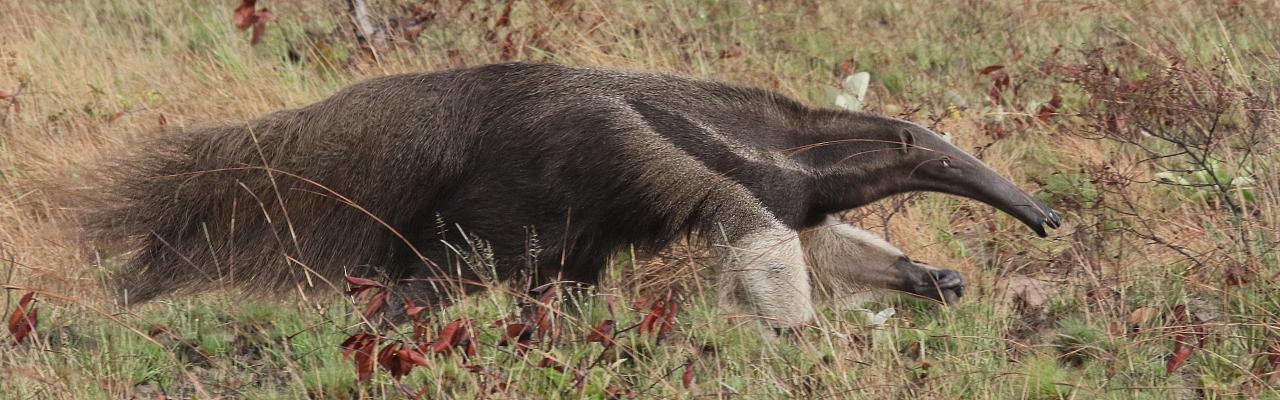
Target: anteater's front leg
765	270
844	259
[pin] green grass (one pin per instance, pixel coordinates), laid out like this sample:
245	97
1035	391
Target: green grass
98	75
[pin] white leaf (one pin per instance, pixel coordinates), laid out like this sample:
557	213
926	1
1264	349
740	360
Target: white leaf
883	316
848	102
1241	181
854	93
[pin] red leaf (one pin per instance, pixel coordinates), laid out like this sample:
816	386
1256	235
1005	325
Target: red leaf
162	120
259	25
990	68
387	358
1180	355
548	362
669	322
542	316
732	52
646	325
28	326
613	392
376	304
363	345
469	349
23	320
357	282
412	310
512	331
1237	275
602	333
399	359
519	334
687	379
415	356
348	344
508	47
244	15
999	82
1051	108
451	335
1182	347
661	316
505	18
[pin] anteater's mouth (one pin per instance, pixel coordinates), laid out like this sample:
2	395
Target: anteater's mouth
1049	218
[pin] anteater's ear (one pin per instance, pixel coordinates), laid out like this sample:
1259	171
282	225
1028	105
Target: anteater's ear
906	139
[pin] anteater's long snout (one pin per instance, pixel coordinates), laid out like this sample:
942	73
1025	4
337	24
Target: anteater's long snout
1007	197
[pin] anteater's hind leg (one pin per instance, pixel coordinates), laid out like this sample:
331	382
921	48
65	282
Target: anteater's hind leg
432	286
446	267
572	273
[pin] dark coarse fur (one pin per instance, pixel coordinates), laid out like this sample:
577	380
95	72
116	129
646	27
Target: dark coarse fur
554	167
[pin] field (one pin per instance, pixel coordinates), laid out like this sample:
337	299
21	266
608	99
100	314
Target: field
1151	125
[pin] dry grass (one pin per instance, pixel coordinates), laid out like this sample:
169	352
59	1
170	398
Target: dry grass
96	76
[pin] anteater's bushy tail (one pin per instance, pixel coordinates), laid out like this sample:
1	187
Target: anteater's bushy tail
206	207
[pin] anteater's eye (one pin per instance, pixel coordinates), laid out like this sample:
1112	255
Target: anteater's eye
946	162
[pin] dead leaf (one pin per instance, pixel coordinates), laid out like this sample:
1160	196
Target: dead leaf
375	304
1188	326
1050	109
362	345
411	309
1140	317
687	378
1236	275
1181	352
452	335
732	52
548	362
356	281
669	322
362	288
519	334
613	393
602	333
260	26
990	68
399	359
243	14
246	16
1027	293
23	320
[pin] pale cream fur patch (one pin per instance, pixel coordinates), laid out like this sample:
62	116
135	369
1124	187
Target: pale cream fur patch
765	270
